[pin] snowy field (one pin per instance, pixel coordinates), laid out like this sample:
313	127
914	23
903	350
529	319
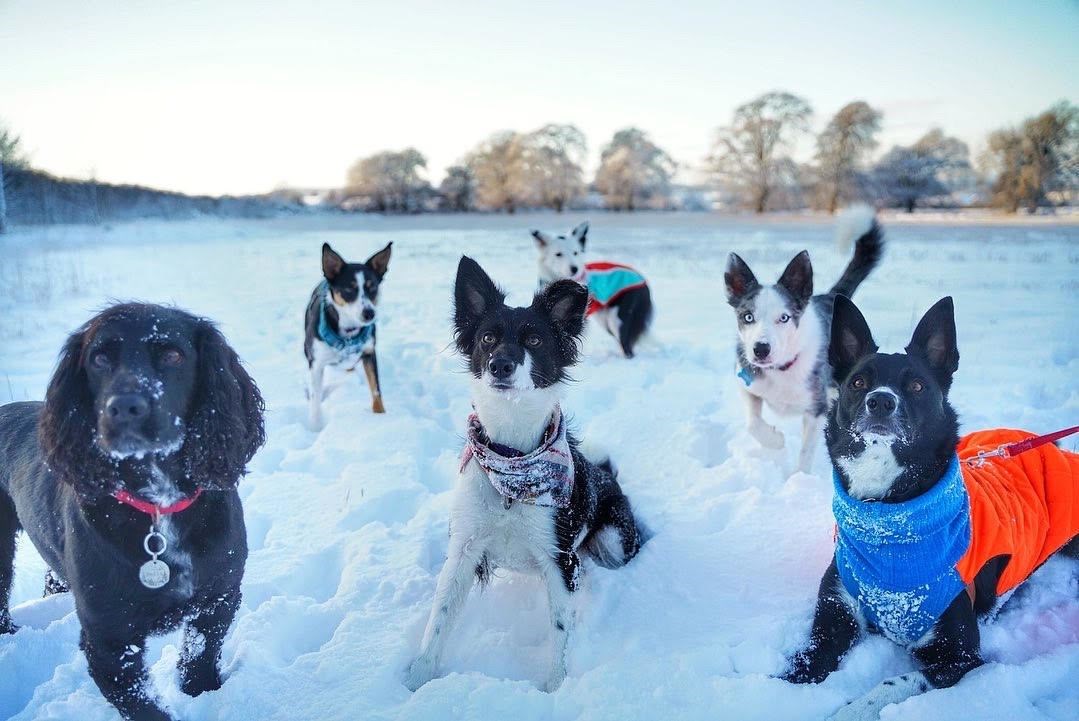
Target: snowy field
348	526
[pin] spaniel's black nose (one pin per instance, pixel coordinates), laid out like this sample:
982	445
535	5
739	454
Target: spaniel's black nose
127	409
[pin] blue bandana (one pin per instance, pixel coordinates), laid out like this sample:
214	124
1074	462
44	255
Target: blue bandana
334	339
897	560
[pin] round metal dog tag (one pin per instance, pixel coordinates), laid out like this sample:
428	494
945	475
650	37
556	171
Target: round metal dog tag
154	573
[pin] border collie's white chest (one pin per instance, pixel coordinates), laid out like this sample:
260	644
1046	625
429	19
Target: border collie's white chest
513	537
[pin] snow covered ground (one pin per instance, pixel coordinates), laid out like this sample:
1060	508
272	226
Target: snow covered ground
348	526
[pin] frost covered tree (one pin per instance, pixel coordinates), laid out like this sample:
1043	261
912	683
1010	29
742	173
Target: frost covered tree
634	171
751	153
841	148
495	166
1032	161
390	181
906	175
549	171
457	190
11	156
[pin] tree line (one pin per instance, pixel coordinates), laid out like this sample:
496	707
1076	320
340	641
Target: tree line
750	167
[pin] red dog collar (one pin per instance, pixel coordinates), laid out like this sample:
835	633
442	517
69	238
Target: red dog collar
787	366
152	509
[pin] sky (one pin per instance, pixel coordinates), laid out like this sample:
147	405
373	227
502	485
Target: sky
239	96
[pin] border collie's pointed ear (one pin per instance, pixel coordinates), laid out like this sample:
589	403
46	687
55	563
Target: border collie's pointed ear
474	295
934	341
565	301
851	338
797	278
580	233
332	263
380	261
739	279
541	238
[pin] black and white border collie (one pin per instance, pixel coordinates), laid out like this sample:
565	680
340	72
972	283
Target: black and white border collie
148	424
619	297
518	359
783	334
339	325
892	438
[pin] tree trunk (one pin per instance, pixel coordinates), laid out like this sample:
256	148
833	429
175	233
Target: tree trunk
3	202
910	203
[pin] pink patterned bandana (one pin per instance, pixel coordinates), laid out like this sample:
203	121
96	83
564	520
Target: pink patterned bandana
543	477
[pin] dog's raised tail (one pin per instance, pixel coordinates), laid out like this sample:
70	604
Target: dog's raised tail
858	226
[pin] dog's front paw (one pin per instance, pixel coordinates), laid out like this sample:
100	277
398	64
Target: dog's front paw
554	679
420	671
767	435
376	405
801	670
196	681
6	624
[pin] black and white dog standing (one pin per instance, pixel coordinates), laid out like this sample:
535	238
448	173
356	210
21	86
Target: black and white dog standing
526	498
619	298
908	518
339	325
125	481
783	334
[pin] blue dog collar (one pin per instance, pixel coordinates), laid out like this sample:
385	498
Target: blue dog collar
333	339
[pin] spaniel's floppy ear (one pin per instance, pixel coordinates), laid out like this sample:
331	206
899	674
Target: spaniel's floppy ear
380	261
225	427
66	428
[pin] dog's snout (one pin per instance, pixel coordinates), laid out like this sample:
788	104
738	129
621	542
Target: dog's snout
761	350
880	403
501	367
127	409
368	314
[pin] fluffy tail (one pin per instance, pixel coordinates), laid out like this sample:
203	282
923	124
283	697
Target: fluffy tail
858	222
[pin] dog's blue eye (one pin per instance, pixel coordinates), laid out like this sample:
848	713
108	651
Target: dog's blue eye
747	318
784	318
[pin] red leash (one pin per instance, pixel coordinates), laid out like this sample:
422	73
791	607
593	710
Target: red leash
152	509
1010	450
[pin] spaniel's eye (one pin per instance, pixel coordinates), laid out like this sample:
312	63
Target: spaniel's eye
784	318
488	338
857	382
172	357
916	386
747	318
533	341
100	360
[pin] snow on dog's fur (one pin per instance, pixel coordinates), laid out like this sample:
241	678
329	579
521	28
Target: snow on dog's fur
518	359
783	333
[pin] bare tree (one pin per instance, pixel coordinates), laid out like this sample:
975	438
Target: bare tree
750	153
390	181
841	148
929	168
12	156
1040	157
634	171
550	169
457	190
495	166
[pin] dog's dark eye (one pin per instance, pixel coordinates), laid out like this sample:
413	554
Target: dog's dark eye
916	386
784	318
172	357
533	341
857	382
100	360
558	254
488	338
747	318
